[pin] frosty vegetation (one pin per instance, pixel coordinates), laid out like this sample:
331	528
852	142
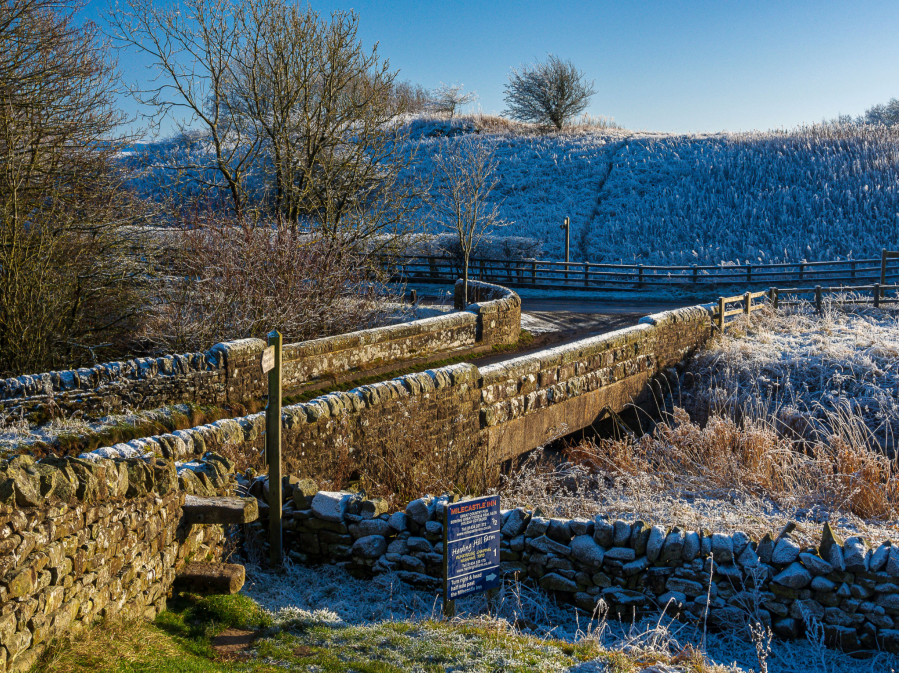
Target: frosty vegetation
821	192
302	598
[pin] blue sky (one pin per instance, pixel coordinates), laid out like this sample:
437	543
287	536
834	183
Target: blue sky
658	66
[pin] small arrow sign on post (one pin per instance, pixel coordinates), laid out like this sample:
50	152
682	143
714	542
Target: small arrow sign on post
268	359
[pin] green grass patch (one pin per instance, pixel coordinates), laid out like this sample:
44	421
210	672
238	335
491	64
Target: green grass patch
181	640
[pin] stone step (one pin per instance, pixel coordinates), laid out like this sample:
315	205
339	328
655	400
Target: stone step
210	578
219	510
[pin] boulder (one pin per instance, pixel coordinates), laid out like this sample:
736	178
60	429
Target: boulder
331	505
370	547
211	578
655	542
785	551
815	564
602	531
585	550
516	522
420	510
794	576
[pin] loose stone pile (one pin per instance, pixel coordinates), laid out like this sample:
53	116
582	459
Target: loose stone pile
848	588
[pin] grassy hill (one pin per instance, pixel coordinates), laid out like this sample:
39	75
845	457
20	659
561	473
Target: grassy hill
815	193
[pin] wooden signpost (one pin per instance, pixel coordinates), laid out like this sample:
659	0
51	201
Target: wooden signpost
471	535
271	364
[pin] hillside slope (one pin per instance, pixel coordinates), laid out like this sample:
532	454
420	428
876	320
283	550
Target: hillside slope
814	193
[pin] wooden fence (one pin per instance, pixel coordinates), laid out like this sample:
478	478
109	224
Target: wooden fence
552	275
875	294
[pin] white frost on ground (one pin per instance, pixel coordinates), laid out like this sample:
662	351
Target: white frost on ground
815	193
842	364
328	595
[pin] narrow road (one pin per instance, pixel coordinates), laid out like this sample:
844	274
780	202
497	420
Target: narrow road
555	322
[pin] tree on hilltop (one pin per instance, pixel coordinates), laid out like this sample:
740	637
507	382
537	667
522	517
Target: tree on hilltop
548	94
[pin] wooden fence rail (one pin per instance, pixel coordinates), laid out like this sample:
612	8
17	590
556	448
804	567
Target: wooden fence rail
553	275
851	295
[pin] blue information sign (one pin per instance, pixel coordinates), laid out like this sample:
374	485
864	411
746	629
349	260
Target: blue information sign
471	546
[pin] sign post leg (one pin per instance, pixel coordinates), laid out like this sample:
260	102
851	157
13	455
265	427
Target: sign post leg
273	452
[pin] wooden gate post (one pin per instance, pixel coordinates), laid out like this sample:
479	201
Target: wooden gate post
773	297
721	305
273	448
876	289
747	306
818	298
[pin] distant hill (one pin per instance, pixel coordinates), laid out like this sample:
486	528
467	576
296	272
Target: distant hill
815	193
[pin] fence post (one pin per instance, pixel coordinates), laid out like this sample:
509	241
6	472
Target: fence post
818	298
721	305
747	306
773	297
801	270
695	275
852	266
586	274
534	272
876	295
883	268
273	451
639	275
432	264
749	273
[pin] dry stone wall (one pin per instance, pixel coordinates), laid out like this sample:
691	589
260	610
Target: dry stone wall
475	417
87	538
629	568
230	373
527	400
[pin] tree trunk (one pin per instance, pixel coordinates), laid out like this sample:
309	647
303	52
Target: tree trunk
465	284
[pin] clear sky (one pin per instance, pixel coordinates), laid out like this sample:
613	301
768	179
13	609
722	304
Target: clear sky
659	65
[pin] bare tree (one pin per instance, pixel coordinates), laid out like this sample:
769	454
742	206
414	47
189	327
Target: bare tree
547	94
411	97
192	46
448	98
465	177
324	109
298	115
71	269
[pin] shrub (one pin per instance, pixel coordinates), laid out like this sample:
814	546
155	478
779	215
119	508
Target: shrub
230	282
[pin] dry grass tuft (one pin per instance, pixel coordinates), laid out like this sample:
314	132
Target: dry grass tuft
116	646
752	458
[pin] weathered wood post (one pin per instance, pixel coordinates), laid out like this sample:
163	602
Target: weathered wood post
721	305
876	292
773	297
818	294
748	273
883	269
271	363
801	270
639	275
695	275
747	306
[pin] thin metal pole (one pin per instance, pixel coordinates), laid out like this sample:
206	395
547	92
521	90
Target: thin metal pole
273	452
